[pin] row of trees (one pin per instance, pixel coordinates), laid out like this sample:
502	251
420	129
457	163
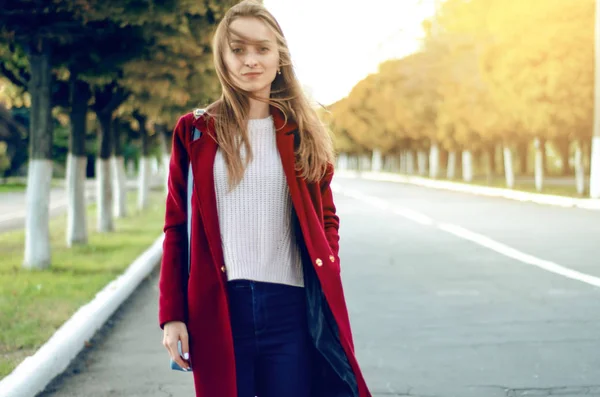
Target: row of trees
493	77
133	65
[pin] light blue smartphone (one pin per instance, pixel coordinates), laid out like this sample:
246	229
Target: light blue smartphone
174	365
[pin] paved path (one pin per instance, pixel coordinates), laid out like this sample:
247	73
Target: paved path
12	204
437	310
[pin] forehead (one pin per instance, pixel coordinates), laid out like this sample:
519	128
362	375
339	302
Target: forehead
250	28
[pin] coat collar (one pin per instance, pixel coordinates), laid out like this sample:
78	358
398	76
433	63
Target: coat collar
283	125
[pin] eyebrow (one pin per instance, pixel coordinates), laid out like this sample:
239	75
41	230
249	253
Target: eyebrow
238	41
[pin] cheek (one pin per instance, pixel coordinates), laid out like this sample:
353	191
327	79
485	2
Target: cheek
272	62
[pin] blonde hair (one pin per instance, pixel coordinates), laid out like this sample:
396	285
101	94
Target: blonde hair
230	112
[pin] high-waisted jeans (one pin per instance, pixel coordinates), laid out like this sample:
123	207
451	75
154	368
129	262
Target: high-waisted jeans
270	337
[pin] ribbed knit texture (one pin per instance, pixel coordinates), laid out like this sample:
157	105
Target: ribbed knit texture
255	217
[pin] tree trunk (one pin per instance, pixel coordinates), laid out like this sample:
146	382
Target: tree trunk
540	149
595	168
145	164
467	166
451	169
118	173
39	173
376	162
342	161
410	162
77	163
509	173
579	169
364	163
422	162
104	214
434	160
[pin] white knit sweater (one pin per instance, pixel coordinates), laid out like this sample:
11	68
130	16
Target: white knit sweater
255	217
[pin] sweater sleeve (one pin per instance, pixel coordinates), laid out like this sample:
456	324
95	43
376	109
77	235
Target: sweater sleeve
173	271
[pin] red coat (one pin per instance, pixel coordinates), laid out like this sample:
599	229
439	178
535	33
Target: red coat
201	301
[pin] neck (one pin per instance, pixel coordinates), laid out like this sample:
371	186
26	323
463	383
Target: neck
258	109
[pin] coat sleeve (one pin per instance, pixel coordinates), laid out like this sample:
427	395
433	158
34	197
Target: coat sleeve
330	219
172	283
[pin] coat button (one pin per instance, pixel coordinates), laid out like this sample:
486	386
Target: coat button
331	258
223	269
319	262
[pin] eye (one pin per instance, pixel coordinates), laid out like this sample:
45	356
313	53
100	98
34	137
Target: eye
236	50
264	49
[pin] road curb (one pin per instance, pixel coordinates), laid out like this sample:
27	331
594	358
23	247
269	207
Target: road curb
50	360
547	199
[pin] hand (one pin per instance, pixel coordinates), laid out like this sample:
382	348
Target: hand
175	331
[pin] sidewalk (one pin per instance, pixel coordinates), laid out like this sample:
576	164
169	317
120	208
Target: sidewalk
512	194
130	338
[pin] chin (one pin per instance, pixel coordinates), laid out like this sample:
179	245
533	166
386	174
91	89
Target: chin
257	88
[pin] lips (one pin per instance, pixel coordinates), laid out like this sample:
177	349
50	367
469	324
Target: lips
253	74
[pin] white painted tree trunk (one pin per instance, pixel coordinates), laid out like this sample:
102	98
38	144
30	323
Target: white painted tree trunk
76	207
451	170
130	169
166	159
467	166
422	162
392	162
37	233
434	160
509	172
144	182
579	169
595	168
104	210
410	162
153	165
376	162
364	163
539	165
119	186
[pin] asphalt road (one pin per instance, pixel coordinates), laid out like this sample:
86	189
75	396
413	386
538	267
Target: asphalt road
450	295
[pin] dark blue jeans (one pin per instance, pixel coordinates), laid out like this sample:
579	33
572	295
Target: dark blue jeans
270	339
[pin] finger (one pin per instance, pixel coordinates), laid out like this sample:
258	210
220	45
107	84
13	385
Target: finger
185	347
177	357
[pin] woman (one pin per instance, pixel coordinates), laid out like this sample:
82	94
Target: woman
262	311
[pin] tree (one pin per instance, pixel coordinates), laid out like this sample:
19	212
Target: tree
35	32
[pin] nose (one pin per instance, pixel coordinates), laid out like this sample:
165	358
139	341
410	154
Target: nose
250	61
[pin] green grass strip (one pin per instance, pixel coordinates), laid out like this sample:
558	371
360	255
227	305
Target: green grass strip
35	303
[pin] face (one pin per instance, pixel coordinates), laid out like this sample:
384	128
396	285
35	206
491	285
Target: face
252	66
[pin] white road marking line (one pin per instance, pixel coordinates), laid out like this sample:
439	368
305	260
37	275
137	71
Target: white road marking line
413	216
476	238
518	255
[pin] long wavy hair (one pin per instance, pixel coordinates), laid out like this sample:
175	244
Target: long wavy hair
230	112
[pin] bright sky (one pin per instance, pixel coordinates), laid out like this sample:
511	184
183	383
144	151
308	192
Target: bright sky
336	43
